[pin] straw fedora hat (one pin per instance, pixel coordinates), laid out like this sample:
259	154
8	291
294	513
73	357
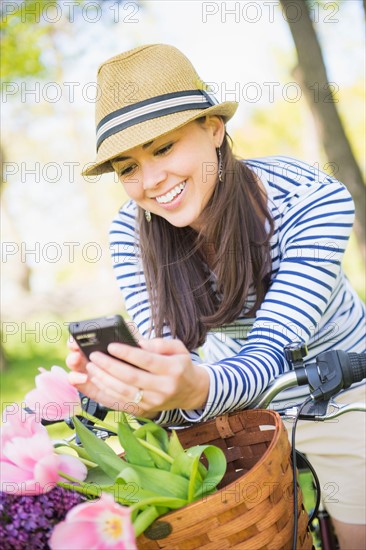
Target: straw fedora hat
144	93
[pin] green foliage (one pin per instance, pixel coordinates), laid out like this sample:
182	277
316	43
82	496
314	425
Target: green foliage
21	51
133	447
23	38
27	31
158	485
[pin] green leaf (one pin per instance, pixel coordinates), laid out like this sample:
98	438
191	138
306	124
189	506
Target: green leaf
130	493
80	450
98	476
164	509
99	451
174	446
202	481
216	467
158	460
195	481
129	475
135	453
183	464
159	481
144	519
158	432
163	504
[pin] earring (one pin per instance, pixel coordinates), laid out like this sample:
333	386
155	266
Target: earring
148	215
220	165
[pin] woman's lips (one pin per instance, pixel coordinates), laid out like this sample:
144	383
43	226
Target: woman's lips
175	202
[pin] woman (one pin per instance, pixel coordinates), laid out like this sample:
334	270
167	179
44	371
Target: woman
221	263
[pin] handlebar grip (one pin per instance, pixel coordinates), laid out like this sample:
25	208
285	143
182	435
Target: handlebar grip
335	370
357	363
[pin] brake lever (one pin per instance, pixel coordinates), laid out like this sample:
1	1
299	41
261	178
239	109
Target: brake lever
339	409
324	410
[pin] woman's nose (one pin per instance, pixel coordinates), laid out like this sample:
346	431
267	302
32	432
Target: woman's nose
152	176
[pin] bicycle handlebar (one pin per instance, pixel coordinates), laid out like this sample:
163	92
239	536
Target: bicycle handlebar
333	371
357	366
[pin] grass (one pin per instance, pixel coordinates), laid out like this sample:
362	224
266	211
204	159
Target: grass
306	483
18	377
23	358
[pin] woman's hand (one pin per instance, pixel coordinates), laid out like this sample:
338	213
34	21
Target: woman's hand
76	360
161	369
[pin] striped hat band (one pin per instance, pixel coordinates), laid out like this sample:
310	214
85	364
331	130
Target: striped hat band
150	108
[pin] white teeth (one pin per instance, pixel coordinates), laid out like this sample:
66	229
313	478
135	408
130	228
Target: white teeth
168	197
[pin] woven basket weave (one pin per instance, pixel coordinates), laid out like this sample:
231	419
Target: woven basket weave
253	510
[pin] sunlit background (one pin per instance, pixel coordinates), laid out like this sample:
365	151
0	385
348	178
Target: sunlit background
56	264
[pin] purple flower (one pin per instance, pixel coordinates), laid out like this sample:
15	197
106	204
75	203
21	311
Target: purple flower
26	522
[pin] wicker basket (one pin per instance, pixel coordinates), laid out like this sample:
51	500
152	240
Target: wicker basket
253	509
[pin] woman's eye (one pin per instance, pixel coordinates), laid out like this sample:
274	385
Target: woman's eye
164	149
126	171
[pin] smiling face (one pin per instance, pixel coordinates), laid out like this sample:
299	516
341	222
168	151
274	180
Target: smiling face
174	176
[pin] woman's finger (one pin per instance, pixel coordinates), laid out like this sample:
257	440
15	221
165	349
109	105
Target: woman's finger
155	361
126	373
72	345
107	382
76	361
97	388
163	346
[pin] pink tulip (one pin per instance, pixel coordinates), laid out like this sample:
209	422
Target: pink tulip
54	398
18	423
29	465
97	525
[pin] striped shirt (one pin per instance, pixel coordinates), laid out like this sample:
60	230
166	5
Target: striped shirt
309	298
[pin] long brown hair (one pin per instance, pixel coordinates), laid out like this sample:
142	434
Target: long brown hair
177	266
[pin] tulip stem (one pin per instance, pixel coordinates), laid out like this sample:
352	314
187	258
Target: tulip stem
88	491
85	461
91	490
88	463
80	450
70	478
98	422
156	450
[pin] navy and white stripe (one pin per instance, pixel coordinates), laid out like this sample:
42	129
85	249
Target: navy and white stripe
150	108
309	299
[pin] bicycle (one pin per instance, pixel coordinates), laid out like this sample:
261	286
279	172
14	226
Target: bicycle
331	372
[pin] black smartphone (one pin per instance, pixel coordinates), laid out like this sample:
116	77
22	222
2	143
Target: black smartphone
96	334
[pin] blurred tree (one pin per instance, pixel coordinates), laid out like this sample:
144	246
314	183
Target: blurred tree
30	31
312	75
3	358
28	27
